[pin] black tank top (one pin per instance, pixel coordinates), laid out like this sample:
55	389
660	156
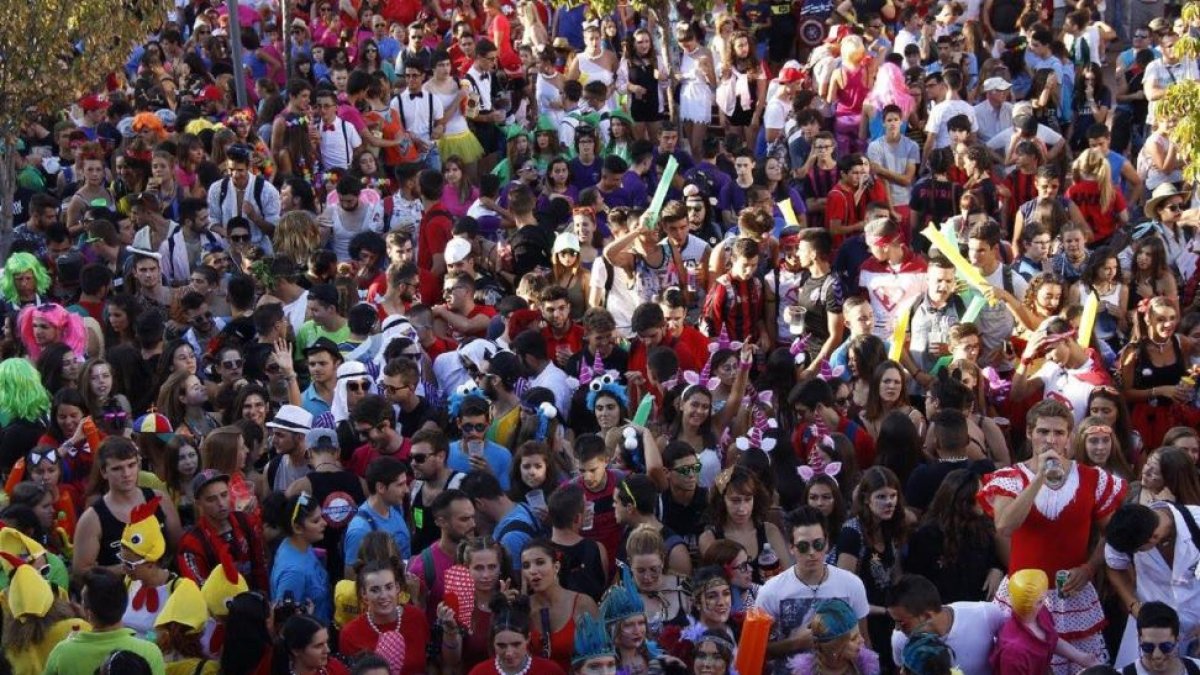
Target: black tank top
580	569
339	493
1146	375
111	528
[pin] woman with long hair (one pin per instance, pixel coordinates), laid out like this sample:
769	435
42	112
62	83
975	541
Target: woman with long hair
977	164
738	505
888	393
1179	477
304	649
744	88
1150	275
690	421
1091	104
591	241
296	569
297	236
870	546
1102	276
294	151
848	88
898	445
1108	408
954	546
54	504
1151	369
713	602
640	75
120	316
1095	444
1094	192
385	626
460	191
535	467
697	77
491	573
866	353
732	559
509	640
189	155
774	176
36	619
889	88
664	593
518	150
569	273
58	367
182	398
1046	95
557	610
369	61
181	466
225	450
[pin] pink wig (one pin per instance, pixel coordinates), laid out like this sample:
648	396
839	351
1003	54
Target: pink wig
71	331
890	88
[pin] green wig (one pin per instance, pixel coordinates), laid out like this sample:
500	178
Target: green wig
22	396
19	263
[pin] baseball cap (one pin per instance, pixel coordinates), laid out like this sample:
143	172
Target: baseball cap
210	93
790	75
996	84
457	250
93	102
205	477
322	439
323	344
566	241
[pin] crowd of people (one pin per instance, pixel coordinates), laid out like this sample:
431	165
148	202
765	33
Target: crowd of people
501	338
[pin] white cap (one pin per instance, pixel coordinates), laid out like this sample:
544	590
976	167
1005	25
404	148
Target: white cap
457	250
996	84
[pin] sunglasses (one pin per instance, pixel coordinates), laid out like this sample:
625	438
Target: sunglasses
804	547
419	458
395	390
232	365
1174	208
239	238
355	386
134	564
1149	647
201	318
691	470
474	428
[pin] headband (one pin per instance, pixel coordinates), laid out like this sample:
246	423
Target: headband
886	240
1098	429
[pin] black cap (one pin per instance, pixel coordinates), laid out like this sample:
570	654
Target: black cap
324	344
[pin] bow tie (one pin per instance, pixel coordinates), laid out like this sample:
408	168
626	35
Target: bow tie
413	97
147	598
327	127
485	76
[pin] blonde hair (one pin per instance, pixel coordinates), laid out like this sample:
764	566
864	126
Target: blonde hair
1117	463
297	236
1093	165
220	450
645	540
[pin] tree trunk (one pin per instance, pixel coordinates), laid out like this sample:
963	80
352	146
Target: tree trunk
8	191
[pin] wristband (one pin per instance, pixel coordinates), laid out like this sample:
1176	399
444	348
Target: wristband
743	366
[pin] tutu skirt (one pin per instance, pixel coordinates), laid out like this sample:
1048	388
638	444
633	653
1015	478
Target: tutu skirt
695	102
463	145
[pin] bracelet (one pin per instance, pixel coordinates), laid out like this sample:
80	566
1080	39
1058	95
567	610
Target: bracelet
743	366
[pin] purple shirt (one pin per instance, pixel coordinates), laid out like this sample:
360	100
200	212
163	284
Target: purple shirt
1019	652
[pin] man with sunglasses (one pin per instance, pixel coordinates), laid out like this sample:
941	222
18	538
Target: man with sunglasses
1159	647
401	376
683	498
1150	552
461	316
432	476
473	452
202	325
375	424
791	596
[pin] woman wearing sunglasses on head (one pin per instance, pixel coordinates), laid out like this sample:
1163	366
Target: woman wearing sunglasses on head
297	572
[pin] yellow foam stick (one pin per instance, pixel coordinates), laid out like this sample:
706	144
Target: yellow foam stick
789	215
900	332
1087	321
968	271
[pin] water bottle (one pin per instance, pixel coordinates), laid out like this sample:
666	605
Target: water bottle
768	562
1054	471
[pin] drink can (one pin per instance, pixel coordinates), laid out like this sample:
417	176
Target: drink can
589	515
1060	581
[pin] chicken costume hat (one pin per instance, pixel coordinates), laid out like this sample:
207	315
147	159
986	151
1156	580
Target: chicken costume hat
20	548
144	535
223	584
185	607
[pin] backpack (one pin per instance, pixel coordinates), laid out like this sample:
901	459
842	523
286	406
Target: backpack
242	522
258	190
517	526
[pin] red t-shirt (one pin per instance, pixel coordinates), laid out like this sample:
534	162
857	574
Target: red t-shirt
478	310
440	346
358	637
572	341
840	206
366	453
435	232
1086	195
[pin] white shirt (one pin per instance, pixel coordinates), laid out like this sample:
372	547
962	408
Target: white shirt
941	114
482	83
416	113
220	211
972	633
338	144
1045	134
790	602
1163	76
296	312
992	121
1176	584
554	379
776	113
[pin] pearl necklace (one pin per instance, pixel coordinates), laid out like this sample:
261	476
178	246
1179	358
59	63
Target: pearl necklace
371	621
524	669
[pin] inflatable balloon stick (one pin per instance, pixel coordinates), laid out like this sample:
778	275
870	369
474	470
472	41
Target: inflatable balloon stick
660	193
789	214
752	648
645	407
